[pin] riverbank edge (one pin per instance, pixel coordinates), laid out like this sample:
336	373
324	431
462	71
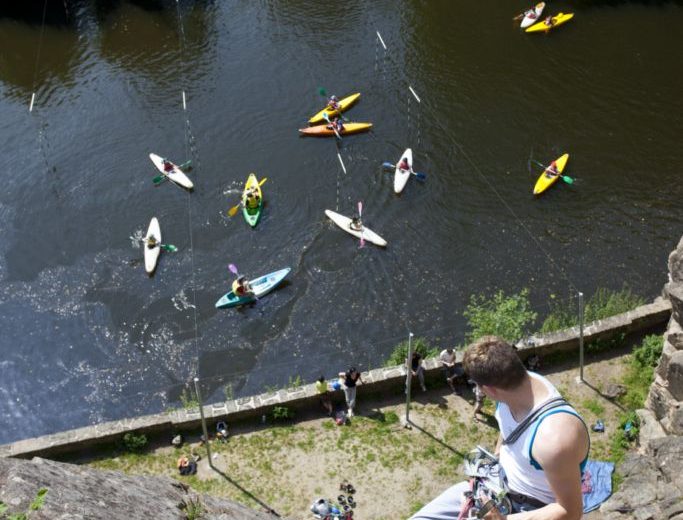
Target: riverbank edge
378	380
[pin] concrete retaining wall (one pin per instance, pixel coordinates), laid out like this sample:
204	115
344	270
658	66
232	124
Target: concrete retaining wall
390	379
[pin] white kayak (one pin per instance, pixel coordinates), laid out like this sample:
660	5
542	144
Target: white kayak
175	174
152	253
401	176
532	15
345	223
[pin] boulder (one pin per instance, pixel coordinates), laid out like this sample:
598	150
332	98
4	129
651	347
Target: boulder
674	375
676	263
675	292
80	492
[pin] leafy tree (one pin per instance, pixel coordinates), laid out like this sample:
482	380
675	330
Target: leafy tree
504	316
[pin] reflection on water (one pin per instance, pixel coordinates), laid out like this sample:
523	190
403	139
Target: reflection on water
86	332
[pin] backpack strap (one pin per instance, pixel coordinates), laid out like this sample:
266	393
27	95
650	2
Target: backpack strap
555	402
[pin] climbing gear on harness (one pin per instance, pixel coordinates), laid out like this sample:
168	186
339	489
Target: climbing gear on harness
486	485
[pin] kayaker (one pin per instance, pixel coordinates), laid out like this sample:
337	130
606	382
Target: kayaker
333	103
168	166
151	242
404	165
241	287
548	21
252	198
356	223
552	170
337	123
531	13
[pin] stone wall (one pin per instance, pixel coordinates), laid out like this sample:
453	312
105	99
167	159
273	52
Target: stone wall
388	380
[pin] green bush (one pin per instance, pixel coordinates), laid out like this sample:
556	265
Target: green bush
400	352
603	304
507	317
134	443
649	352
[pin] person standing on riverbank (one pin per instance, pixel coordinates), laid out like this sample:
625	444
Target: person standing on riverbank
351	379
416	369
543	443
323	389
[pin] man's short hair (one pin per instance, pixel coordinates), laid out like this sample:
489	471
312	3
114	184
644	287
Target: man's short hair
494	362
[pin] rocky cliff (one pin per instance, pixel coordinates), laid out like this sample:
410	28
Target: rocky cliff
653	483
80	493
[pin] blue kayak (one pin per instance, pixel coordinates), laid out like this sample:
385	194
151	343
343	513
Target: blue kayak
261	286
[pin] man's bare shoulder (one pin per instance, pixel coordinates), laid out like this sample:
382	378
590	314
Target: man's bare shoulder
560	437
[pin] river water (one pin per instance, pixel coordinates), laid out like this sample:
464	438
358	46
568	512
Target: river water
88	337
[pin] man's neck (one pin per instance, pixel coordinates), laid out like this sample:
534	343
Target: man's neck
525	398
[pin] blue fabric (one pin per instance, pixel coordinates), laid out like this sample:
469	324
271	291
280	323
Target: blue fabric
596	484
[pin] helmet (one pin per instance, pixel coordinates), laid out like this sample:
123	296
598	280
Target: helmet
333	97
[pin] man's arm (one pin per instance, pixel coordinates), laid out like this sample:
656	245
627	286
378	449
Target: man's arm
560	446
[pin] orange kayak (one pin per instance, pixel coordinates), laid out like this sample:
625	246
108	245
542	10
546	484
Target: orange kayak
325	131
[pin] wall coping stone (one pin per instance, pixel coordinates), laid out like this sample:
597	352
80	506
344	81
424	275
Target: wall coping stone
305	396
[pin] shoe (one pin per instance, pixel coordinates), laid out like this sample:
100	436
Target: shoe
350	414
424	388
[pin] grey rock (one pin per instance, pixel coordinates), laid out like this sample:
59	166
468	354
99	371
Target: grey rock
674	375
674	334
81	492
676	262
649	427
667	352
675	292
614	390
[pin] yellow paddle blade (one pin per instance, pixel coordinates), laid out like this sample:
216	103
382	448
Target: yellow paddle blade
233	210
260	183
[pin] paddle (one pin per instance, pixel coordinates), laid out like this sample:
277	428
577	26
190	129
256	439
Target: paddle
565	178
166	247
390	166
360	218
327	118
164	177
233	210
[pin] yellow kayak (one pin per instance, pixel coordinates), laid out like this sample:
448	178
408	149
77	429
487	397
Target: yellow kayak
556	20
344	104
546	180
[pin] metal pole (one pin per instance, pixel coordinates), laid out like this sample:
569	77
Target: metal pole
581	337
409	376
201	413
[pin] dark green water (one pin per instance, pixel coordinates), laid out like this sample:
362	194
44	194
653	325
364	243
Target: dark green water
86	336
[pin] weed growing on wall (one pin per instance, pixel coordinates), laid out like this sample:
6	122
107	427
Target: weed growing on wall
400	353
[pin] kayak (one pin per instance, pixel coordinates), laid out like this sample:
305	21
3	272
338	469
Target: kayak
531	16
252	215
546	180
261	286
558	19
176	174
344	105
324	131
152	253
345	223
401	176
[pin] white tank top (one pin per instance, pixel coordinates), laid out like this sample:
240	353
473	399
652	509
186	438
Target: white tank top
524	475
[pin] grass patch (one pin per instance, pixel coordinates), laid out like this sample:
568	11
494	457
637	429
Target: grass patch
603	304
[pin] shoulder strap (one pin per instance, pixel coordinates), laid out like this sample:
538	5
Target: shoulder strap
556	402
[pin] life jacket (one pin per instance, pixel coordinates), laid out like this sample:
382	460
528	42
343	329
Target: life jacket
238	288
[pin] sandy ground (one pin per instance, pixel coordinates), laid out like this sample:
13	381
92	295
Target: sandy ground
395	470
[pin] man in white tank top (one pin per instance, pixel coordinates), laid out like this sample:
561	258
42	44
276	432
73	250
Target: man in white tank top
543	443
